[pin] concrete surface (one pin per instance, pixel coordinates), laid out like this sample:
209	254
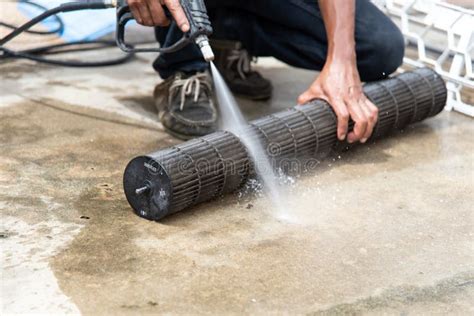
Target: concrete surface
384	229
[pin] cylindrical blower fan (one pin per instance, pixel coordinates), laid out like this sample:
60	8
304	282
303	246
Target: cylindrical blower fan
184	175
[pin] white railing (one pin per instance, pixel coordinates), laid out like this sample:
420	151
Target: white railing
444	37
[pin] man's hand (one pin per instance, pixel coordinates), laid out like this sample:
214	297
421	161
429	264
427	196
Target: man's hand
339	84
151	13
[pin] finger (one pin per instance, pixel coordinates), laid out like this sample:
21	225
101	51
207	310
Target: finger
178	14
311	94
360	126
373	115
157	13
145	15
373	109
136	12
342	118
305	97
370	121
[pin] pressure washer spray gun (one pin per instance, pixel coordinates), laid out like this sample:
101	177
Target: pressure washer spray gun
200	29
195	11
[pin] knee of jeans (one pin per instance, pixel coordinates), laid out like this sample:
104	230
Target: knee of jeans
387	49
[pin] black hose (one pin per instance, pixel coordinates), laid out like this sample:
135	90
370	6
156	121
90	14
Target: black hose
35	53
66	63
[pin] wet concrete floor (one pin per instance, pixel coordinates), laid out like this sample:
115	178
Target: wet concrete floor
385	228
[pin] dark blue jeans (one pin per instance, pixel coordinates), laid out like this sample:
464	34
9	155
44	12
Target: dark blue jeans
292	31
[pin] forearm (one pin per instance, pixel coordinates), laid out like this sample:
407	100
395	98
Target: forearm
339	19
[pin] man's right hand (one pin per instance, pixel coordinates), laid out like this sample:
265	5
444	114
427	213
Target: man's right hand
151	13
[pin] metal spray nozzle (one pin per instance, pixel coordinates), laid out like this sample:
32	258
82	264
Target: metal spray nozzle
203	42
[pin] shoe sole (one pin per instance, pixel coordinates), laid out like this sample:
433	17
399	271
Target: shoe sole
179	135
254	98
182	136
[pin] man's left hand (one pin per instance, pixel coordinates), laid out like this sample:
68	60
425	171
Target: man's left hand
340	85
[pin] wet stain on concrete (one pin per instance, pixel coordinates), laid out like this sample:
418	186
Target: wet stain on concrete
142	103
61	83
97	115
17	70
14	130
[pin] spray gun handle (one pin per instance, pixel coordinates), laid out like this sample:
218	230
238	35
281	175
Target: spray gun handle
195	11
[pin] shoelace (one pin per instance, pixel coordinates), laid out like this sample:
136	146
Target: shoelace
189	86
241	58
